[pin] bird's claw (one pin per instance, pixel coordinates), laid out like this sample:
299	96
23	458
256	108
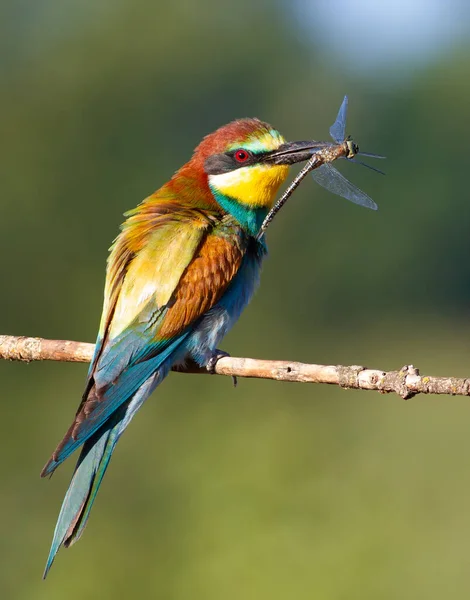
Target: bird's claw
214	359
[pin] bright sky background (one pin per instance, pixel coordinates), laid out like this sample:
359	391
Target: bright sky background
370	34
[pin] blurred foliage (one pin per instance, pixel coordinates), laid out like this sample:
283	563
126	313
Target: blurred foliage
270	490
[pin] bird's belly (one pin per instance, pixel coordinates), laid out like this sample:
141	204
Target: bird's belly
213	326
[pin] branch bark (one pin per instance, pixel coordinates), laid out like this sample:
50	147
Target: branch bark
407	382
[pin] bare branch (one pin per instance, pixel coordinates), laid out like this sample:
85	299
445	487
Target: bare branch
407	382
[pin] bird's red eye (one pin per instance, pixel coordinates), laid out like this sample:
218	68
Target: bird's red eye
241	156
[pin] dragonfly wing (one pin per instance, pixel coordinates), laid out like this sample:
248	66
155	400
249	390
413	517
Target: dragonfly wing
338	129
332	180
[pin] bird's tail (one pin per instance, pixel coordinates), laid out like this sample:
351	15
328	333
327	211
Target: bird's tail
91	467
86	480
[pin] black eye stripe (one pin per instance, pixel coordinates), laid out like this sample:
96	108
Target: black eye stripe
220	163
226	162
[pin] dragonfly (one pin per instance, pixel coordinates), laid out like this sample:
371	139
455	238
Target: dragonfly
323	172
330	178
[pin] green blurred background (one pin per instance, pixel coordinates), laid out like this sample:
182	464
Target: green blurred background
269	490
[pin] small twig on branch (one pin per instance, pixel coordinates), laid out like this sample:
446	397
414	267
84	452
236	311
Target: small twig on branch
407	382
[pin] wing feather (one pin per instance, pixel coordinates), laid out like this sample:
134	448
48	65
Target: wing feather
155	291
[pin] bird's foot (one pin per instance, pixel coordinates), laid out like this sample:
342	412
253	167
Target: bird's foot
214	359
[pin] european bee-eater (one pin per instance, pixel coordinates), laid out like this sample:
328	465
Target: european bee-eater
179	274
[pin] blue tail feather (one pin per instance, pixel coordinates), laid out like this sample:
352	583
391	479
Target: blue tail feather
90	469
131	381
86	479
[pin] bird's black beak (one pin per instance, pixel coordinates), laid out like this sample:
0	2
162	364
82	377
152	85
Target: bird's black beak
293	152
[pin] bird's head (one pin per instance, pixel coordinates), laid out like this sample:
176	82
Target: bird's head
244	163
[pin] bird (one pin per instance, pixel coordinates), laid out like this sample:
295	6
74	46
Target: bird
185	264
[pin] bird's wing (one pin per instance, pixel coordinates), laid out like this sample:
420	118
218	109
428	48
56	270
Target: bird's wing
159	282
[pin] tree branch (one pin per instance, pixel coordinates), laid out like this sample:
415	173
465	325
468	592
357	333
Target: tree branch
407	382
